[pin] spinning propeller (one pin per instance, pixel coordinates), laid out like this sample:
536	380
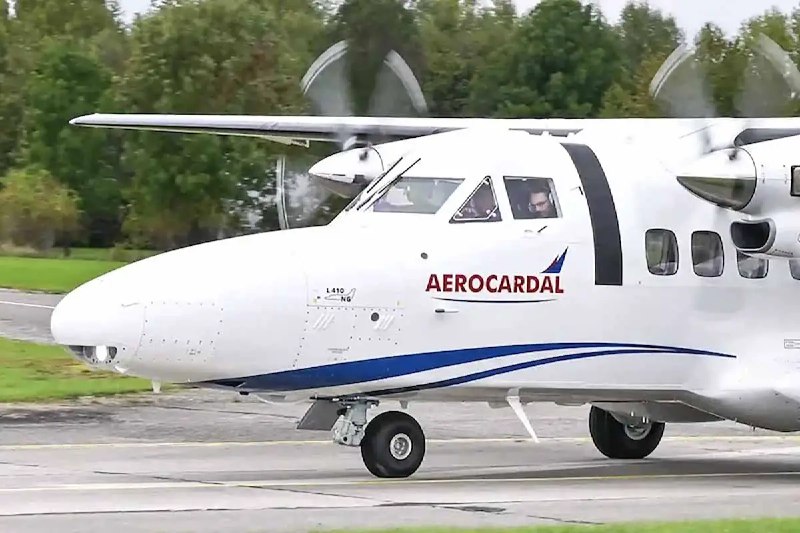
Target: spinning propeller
301	196
771	82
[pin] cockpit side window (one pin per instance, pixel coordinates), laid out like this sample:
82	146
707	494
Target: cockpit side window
480	207
532	198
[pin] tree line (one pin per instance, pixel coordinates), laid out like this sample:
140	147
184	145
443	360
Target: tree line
68	186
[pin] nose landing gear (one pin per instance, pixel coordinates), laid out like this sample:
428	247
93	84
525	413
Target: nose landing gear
392	444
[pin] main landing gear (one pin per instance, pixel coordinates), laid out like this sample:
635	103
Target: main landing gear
392	444
626	439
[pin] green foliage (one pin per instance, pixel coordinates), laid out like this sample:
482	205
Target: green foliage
67	82
645	33
219	56
61	59
36	210
35	373
457	38
561	59
80	19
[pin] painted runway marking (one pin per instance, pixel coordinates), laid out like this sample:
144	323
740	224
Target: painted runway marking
500	440
20	304
88	487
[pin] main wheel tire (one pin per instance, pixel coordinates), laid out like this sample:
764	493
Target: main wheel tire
393	445
617	441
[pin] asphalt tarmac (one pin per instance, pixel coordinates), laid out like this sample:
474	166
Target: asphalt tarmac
26	316
209	461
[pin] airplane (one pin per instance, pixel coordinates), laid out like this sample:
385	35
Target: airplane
647	268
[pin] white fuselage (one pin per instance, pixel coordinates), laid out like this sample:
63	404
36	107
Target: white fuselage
414	306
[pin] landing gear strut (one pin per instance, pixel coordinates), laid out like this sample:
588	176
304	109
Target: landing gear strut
392	445
618	440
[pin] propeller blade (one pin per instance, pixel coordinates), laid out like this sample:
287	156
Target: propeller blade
681	88
280	192
770	83
397	91
301	200
327	85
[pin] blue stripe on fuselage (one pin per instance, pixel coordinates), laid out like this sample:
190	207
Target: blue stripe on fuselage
368	370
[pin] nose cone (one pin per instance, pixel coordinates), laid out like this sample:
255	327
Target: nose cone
100	321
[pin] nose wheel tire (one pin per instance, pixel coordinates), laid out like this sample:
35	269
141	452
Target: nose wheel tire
393	445
619	441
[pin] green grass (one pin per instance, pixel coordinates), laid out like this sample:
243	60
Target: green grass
50	275
35	373
87	254
727	526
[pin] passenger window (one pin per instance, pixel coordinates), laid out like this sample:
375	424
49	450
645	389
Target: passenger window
481	206
707	254
794	268
751	267
531	198
661	247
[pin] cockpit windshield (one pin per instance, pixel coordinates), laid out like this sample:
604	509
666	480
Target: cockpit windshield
421	195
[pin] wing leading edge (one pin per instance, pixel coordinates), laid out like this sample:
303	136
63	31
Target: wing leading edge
303	129
288	129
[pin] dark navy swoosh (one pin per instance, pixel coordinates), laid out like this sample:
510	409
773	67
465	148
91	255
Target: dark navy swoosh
353	372
513	368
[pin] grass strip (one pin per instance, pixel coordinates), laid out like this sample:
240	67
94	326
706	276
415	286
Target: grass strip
37	373
50	275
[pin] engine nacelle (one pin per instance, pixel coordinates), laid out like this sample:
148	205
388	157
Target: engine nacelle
756	179
777	236
351	167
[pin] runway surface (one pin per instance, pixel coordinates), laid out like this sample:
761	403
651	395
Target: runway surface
198	461
26	316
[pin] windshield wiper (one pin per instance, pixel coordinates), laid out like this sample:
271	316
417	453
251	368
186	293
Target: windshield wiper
379	192
371	185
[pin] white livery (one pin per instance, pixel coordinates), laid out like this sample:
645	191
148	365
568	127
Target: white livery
605	262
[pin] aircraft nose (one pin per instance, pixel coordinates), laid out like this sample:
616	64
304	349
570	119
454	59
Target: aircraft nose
100	322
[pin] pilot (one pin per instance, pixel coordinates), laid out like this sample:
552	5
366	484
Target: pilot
540	204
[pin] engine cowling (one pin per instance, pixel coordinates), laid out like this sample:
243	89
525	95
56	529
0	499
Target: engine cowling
762	182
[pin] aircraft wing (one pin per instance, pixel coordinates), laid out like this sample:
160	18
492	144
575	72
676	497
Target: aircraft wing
302	129
285	129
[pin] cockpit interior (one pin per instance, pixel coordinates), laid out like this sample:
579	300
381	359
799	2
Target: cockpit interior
527	197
